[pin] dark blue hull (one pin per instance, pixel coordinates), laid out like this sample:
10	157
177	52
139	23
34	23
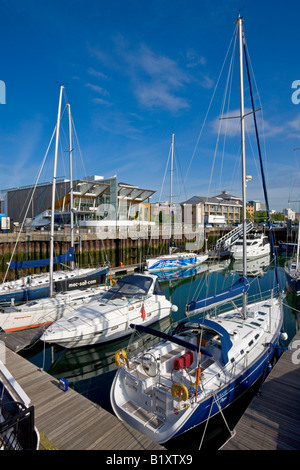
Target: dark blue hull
30	293
229	394
294	283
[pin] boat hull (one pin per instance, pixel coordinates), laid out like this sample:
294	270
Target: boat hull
293	281
173	262
103	332
208	408
27	293
251	254
231	393
128	393
43	312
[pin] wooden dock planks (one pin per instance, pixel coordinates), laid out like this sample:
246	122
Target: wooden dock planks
272	421
69	421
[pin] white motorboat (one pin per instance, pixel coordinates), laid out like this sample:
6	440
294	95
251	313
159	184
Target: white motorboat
257	245
43	312
137	298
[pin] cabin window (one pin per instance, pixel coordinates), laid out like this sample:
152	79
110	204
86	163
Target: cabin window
251	342
157	290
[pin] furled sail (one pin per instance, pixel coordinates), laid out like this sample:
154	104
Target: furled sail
237	289
68	256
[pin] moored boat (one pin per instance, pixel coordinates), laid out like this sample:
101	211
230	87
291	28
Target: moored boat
257	246
206	364
135	298
44	311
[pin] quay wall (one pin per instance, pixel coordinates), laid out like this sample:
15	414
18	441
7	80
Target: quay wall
92	250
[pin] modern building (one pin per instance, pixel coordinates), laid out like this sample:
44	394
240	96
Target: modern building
96	200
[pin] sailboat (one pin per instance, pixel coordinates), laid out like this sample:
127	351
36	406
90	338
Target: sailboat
292	271
174	260
206	364
38	286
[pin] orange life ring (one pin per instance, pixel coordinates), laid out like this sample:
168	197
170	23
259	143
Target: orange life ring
179	390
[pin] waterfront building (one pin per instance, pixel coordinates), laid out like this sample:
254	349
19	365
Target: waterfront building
96	201
223	209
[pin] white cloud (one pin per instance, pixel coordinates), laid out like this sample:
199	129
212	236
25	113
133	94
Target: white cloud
98	89
96	73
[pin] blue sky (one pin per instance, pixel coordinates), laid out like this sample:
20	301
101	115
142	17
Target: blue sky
137	71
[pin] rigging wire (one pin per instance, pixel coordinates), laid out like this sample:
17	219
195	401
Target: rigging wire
31	198
207	112
228	81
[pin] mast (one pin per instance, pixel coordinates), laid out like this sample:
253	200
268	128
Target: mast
171	190
53	193
242	117
71	181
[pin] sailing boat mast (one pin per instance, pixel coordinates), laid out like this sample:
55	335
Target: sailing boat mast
242	117
71	181
53	193
171	192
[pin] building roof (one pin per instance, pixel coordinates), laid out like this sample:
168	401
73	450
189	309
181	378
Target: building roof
133	193
224	199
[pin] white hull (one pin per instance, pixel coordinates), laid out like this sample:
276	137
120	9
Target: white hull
256	247
43	312
100	322
175	261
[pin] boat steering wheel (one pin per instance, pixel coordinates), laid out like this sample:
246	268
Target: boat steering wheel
149	362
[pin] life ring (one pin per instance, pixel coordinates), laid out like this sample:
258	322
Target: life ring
180	390
120	357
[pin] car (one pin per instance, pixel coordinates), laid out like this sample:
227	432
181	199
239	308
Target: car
48	226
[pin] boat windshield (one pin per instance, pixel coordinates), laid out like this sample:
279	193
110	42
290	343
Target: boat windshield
129	288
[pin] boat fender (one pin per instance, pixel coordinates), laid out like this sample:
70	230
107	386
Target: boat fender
283	336
179	390
120	357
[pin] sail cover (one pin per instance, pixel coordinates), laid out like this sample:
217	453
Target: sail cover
237	289
167	337
68	256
